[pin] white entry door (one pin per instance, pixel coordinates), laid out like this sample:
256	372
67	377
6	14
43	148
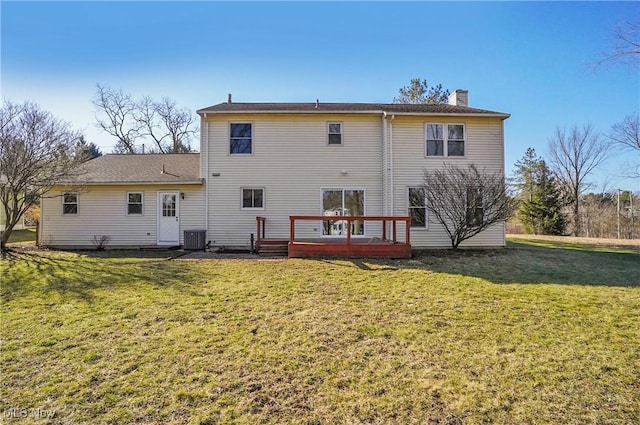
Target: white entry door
168	218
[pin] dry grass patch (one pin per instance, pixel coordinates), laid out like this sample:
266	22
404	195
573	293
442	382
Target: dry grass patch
583	243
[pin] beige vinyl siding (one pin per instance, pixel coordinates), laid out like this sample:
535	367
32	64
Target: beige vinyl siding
484	147
102	210
292	161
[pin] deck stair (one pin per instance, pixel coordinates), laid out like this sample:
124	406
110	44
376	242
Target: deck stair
271	248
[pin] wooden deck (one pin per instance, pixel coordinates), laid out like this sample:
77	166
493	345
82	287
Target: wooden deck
339	247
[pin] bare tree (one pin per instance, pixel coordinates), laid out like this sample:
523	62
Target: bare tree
145	116
420	92
36	151
626	136
169	127
573	156
626	133
625	46
466	200
117	116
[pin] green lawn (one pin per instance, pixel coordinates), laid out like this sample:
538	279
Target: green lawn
26	235
530	334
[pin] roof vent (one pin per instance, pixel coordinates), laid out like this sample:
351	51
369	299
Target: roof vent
229	98
317	103
459	98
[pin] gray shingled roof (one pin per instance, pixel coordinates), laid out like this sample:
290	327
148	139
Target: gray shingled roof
344	108
139	169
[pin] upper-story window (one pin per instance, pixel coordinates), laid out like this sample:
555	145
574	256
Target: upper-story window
241	138
334	131
70	203
445	140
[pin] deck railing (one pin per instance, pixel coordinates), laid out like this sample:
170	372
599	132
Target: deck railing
349	219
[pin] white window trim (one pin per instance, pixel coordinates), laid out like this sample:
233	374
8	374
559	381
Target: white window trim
264	198
426	210
141	204
343	189
341	133
445	139
253	138
77	203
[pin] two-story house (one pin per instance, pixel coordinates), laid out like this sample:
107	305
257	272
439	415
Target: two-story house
277	160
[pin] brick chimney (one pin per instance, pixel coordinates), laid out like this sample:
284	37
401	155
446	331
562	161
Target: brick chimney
459	98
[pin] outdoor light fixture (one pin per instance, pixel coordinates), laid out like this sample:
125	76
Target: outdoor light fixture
182	195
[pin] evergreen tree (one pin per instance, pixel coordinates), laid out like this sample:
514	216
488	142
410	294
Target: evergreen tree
87	151
419	92
540	198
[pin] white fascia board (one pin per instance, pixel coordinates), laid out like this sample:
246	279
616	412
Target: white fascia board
188	182
374	112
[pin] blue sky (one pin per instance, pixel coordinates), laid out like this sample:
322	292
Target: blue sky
529	59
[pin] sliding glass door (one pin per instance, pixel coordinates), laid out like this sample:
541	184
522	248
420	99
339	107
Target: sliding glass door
341	202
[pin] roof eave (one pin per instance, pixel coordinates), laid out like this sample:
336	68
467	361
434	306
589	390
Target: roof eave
246	111
455	114
129	183
369	112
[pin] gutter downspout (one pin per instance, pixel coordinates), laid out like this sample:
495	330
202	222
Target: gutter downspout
393	117
504	223
385	188
204	149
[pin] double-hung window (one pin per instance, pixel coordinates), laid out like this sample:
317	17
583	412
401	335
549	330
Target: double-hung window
70	203
475	207
334	133
241	138
447	140
417	207
134	203
252	198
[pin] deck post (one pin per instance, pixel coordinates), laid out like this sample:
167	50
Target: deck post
258	229
408	230
384	230
292	231
395	235
348	230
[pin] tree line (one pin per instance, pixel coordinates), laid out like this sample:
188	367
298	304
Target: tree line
550	197
555	196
